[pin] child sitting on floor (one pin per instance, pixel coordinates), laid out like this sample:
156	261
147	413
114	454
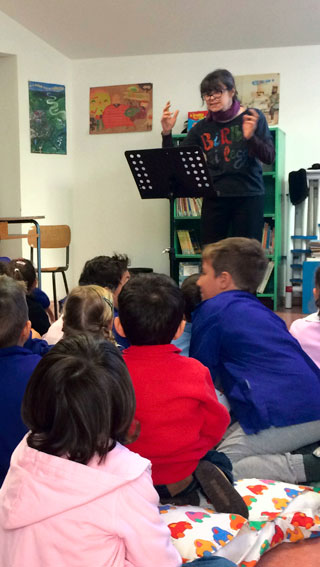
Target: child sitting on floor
89	309
273	387
177	408
192	297
23	270
16	366
307	330
74	495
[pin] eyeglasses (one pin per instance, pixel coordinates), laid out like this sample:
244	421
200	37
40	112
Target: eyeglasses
215	94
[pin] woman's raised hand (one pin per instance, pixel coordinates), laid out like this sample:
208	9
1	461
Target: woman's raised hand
168	119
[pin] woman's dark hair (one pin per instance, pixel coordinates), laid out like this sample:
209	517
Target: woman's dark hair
151	307
79	400
23	270
220	78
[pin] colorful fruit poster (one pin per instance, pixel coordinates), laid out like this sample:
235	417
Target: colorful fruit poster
121	109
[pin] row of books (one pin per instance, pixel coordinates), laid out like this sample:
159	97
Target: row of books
189	242
268	238
188	206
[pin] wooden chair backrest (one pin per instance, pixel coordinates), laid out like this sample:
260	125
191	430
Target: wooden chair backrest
52	236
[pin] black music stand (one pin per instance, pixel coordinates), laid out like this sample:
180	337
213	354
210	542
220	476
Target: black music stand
168	173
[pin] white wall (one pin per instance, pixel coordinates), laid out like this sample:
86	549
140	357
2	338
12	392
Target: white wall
109	214
10	198
45	180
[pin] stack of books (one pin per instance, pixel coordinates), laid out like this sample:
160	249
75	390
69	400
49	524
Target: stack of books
189	242
268	238
188	206
314	246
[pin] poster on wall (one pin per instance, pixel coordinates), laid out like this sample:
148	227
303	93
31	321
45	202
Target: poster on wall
262	92
121	109
47	111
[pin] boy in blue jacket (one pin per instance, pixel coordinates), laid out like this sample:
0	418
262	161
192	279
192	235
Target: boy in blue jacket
16	366
273	387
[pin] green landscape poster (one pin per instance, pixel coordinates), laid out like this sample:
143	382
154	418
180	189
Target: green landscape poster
48	125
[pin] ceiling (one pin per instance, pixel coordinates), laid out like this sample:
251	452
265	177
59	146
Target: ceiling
83	29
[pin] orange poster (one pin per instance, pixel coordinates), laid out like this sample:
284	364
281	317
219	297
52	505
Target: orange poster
121	109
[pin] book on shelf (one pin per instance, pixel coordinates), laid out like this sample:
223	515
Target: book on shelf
189	242
268	238
195	116
266	277
195	242
185	242
187	269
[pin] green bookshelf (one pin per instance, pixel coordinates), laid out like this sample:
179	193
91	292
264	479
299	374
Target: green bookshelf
273	177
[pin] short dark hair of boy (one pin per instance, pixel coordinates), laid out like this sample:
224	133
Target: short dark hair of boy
23	270
106	271
13	311
243	258
79	400
151	307
191	294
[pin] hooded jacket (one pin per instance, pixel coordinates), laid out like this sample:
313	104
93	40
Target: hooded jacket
59	513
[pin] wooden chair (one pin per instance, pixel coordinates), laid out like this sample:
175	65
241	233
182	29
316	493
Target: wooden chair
53	236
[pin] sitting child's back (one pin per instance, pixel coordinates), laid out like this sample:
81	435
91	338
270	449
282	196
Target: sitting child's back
83	499
180	417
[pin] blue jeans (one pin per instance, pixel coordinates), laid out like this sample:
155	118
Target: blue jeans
212	562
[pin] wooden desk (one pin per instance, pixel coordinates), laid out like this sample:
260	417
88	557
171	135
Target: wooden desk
4	235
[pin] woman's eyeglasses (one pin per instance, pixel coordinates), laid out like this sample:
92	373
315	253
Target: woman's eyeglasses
214	94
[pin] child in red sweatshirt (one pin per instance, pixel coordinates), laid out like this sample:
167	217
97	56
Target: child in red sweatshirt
177	409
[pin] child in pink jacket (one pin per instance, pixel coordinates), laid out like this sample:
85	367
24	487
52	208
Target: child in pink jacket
74	496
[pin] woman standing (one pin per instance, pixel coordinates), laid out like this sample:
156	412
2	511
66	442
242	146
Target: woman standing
235	140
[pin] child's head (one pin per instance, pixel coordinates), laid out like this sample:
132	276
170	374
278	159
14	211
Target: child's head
4	268
232	263
23	270
151	308
79	400
316	289
14	318
89	309
191	293
107	271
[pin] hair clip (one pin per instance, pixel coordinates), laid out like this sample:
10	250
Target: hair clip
108	302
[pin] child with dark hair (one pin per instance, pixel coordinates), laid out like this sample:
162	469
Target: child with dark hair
180	417
273	387
192	298
83	498
307	330
16	366
23	270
